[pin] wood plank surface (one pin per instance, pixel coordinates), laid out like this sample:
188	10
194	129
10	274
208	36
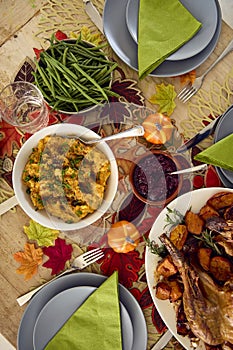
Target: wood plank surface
14	15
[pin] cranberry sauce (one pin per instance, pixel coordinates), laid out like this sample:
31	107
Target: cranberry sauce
151	177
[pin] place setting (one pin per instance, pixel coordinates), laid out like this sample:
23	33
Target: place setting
184	53
57	303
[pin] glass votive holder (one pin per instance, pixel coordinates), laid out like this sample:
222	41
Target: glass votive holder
22	105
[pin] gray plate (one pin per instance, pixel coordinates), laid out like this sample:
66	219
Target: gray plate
223	178
31	313
204	11
60	308
119	38
223	129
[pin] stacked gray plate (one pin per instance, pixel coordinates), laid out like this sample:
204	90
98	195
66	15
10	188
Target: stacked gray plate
51	307
120	20
223	129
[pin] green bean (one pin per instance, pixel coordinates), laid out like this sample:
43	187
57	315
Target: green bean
91	80
72	77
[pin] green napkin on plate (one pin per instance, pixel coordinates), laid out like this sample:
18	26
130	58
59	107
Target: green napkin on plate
219	154
96	324
163	27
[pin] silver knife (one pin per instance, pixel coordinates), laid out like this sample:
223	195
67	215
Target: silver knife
94	14
163	340
8	204
204	133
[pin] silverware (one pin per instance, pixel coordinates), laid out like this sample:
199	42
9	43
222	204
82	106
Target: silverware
189	90
190	170
8	204
201	135
137	130
94	14
79	263
163	340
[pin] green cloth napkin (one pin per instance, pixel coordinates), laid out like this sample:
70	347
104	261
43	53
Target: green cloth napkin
163	27
96	324
219	154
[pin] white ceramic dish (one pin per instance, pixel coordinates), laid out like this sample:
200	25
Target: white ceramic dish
60	308
195	199
41	216
204	11
119	38
31	313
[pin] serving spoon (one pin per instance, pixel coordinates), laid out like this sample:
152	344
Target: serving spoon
189	170
137	130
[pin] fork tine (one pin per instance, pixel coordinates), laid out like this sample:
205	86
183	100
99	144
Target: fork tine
183	91
189	95
92	259
90	252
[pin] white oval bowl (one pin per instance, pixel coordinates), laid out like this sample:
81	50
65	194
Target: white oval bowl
41	216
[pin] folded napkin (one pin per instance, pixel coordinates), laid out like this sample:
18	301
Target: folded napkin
96	324
163	27
219	154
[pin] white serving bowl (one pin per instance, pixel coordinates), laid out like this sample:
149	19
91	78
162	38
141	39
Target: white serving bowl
194	200
41	216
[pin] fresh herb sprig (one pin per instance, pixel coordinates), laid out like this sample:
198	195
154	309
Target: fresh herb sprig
207	237
173	217
155	248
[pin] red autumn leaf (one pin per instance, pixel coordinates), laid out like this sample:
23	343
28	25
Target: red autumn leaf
8	137
37	52
60	35
198	181
58	255
127	264
157	321
211	178
127	89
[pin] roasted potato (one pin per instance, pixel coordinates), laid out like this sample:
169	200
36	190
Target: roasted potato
204	256
221	200
228	214
194	223
178	236
162	290
168	290
207	212
166	267
221	268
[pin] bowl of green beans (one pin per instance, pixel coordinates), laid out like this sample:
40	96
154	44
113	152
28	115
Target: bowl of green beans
74	75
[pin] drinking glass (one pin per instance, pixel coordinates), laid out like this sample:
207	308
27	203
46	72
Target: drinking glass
22	105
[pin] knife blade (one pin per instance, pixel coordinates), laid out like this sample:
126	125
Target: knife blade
94	14
163	341
8	204
204	133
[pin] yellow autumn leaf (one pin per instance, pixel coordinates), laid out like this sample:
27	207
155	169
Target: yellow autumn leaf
164	98
29	259
43	235
87	36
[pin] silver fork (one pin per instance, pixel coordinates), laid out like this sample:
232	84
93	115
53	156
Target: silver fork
79	263
189	90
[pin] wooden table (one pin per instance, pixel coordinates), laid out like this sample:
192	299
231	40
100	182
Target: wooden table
23	25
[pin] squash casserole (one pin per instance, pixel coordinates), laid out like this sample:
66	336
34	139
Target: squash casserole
66	177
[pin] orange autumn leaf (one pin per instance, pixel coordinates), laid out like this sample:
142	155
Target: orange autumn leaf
188	78
29	259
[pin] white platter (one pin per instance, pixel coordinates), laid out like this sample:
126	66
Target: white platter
195	199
